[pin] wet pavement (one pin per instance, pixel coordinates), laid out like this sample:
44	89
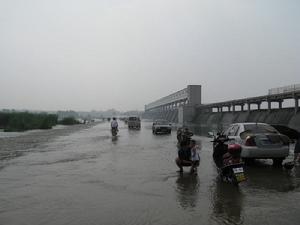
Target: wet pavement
81	175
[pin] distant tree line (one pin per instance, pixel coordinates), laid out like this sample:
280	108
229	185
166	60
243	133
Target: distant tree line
69	121
21	121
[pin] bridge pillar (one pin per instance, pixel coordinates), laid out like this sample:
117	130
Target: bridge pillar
194	94
249	106
233	108
242	107
269	105
186	113
296	104
280	104
258	105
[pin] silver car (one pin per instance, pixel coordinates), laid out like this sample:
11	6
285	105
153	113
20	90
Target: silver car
259	141
161	126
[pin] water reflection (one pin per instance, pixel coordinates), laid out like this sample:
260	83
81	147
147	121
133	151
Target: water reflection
114	139
274	179
187	190
227	201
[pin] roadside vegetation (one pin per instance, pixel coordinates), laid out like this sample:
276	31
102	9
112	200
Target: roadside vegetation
69	121
22	121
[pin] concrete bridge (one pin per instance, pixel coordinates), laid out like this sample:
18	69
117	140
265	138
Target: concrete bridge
171	107
184	107
276	95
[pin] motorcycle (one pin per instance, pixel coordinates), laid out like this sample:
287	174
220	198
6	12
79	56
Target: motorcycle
114	131
227	158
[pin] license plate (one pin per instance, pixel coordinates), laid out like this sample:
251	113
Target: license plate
240	177
238	170
239	174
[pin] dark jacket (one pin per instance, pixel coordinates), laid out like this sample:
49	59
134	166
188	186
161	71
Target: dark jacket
184	153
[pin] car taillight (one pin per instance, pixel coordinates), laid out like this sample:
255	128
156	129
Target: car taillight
250	141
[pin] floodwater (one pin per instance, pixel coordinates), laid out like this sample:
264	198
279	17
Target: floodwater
81	175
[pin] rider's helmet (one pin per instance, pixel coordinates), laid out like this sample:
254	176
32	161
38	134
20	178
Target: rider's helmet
114	118
235	150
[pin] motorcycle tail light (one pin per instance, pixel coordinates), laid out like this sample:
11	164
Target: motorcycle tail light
250	141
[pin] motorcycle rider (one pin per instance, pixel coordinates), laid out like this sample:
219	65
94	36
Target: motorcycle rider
184	156
219	150
184	135
114	124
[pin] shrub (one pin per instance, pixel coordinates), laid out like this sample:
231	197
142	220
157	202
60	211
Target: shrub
68	121
21	121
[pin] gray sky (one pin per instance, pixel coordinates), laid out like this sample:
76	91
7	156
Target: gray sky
123	54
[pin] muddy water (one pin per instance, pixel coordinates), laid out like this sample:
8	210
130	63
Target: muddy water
81	175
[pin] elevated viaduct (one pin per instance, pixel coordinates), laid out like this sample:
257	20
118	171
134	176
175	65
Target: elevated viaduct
175	106
184	107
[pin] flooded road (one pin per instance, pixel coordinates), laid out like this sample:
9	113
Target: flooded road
81	175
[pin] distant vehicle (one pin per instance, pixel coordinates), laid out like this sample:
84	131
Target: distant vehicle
161	126
259	141
134	122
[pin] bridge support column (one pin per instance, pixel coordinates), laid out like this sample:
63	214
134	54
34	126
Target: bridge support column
296	104
280	104
186	113
242	107
233	108
258	105
249	106
269	105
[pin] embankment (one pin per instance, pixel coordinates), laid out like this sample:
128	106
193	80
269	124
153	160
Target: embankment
205	122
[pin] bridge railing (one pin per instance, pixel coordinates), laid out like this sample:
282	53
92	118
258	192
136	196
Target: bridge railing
285	89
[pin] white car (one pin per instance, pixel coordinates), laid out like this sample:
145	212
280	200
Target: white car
161	126
259	141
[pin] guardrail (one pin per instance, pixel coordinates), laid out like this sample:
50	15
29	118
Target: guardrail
285	89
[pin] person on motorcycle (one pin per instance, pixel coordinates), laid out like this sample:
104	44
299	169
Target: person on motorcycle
184	156
179	133
220	148
114	124
184	135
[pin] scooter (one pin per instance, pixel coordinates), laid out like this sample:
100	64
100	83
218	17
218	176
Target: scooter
227	158
114	131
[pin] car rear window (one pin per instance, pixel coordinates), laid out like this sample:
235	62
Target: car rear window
260	128
161	122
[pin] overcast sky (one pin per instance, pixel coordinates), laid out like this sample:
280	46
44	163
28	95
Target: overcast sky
123	54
